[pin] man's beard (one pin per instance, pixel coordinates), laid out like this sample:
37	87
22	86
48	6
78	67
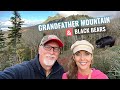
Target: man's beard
49	60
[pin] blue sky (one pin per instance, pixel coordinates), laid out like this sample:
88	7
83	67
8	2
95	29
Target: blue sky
29	17
36	17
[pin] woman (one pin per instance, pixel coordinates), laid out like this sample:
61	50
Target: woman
82	60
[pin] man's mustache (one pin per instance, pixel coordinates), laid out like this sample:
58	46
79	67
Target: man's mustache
51	56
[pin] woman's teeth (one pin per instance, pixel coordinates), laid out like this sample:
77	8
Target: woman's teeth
83	63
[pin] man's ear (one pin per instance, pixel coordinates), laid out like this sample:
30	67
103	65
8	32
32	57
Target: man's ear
61	52
39	49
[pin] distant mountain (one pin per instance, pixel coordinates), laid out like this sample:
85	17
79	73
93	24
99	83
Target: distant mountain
29	28
59	18
54	19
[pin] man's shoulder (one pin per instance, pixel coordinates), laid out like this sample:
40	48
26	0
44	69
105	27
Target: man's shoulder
26	64
58	65
20	66
29	63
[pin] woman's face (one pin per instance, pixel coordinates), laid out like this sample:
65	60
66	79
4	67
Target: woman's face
83	59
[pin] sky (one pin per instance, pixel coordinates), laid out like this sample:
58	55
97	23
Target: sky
31	18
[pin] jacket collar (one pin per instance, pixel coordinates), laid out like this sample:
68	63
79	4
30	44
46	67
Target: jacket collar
56	67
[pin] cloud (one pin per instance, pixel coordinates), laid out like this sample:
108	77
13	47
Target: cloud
5	29
90	13
31	22
67	13
5	24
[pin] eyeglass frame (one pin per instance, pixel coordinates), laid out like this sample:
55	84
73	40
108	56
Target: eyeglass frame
50	47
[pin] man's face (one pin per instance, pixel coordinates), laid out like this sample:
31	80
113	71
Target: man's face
48	54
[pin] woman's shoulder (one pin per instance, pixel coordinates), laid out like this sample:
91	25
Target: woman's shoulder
64	76
98	74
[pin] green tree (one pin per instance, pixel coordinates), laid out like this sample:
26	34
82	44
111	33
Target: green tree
2	40
15	34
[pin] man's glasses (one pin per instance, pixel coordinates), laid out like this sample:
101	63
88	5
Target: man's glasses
48	48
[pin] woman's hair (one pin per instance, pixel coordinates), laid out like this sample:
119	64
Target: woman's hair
72	69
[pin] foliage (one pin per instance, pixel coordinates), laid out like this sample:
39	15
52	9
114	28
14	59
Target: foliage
2	40
107	60
4	60
15	34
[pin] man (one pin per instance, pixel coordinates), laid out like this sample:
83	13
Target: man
43	66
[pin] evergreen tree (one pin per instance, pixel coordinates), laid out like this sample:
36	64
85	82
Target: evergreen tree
2	40
15	34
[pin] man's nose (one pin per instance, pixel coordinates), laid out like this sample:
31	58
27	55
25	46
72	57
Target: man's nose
52	51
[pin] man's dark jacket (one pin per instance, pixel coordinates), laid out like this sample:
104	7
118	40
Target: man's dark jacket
31	70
